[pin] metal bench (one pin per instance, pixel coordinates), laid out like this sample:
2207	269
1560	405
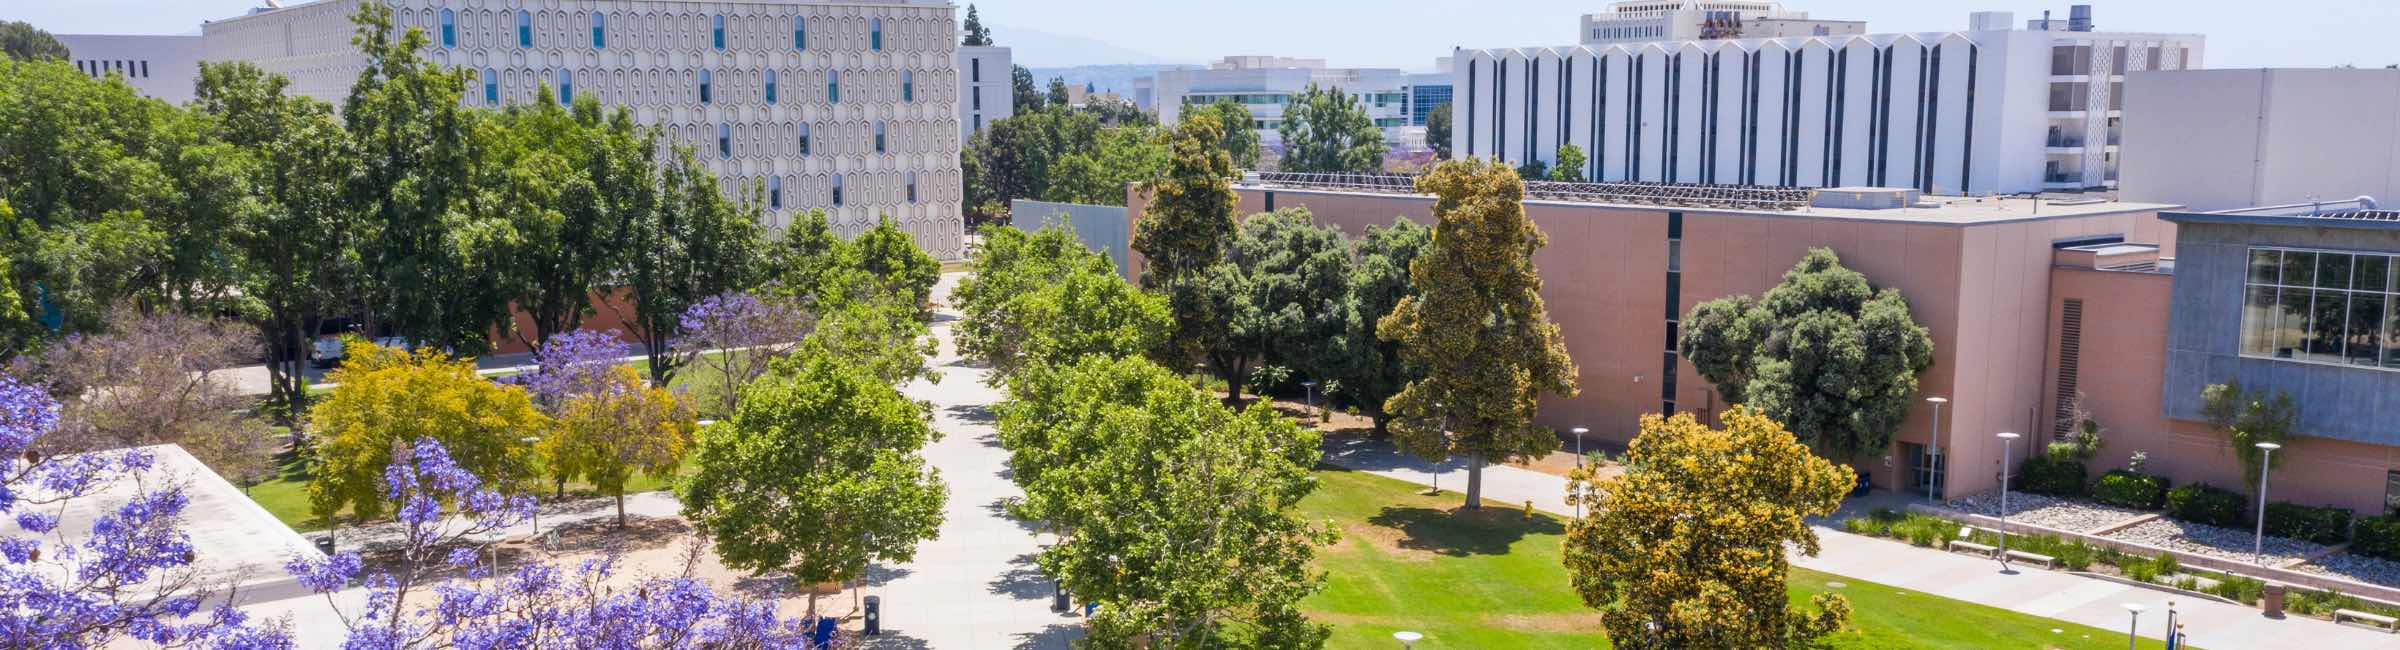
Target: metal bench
1979	549
2046	561
2389	624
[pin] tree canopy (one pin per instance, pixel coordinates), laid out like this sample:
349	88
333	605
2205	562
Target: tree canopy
1477	328
1327	130
607	436
1437	131
2248	416
1365	368
1687	548
1823	352
21	40
1028	98
977	34
1570	164
1280	291
1186	230
387	398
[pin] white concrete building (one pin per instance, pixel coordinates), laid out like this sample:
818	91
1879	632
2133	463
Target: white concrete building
1643	21
163	67
1988	109
1267	84
2227	139
986	92
852	107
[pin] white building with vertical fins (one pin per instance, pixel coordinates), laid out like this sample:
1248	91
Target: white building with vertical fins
1990	109
852	107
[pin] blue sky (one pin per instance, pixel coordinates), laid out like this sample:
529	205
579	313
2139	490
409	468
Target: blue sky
1410	33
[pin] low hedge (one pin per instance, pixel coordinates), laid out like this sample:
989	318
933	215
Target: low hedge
2131	489
2326	526
2377	537
2051	476
2200	503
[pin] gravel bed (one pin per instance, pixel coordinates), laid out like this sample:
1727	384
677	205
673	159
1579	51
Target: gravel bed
2212	541
2363	569
2051	512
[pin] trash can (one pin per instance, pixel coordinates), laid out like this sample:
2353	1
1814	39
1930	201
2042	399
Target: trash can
874	618
822	636
1058	597
325	544
2271	600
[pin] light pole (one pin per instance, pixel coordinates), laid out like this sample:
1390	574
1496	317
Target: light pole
537	495
1311	387
2258	538
1579	431
2133	630
1933	449
1408	640
2007	441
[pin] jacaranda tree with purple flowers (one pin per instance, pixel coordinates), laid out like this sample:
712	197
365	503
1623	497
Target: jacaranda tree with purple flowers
129	577
736	336
571	364
538	605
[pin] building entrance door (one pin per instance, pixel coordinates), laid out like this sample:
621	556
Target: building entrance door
1924	468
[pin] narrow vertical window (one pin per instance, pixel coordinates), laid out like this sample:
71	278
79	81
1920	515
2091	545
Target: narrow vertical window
833	86
800	33
724	141
566	86
706	83
879	137
599	31
875	34
491	87
770	86
717	31
908	85
912	188
449	28
524	28
775	192
804	138
837	190
975	70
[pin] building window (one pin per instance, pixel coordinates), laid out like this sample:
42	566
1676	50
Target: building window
2070	96
724	141
976	94
2116	62
804	138
878	137
717	31
2329	307
566	86
524	28
706	86
837	190
599	31
875	34
975	70
770	86
908	85
491	87
449	28
2391	491
800	33
912	188
775	192
833	86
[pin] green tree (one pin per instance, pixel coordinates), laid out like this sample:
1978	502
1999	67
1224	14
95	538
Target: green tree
299	248
385	399
878	330
1687	548
1017	156
2249	416
1058	93
1570	164
1241	141
575	181
1281	291
1477	327
808	257
1823	352
1176	511
1533	170
1028	98
891	257
1043	297
695	244
88	179
439	262
21	40
977	34
816	475
1437	131
1186	230
1325	130
625	428
1368	369
1121	157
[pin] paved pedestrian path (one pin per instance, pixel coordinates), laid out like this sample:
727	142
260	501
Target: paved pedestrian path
2031	590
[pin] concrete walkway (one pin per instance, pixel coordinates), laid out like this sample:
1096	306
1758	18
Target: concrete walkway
2089	601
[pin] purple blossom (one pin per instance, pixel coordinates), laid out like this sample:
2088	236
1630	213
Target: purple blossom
746	334
572	364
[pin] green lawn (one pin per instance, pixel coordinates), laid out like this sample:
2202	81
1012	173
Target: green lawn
286	495
1494	580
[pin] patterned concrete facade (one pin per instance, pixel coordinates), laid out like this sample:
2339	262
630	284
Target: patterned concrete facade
847	107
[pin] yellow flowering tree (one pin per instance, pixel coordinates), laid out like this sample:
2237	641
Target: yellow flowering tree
387	399
626	427
1686	549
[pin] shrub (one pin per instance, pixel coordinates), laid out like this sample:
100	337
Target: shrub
2246	590
2052	475
2200	503
1921	530
2071	555
2377	537
2322	603
2326	526
2131	489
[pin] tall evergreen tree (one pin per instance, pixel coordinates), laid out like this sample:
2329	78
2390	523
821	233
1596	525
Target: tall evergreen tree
977	34
19	39
1477	327
1058	92
1325	130
1368	369
1437	131
1241	140
1185	231
1028	98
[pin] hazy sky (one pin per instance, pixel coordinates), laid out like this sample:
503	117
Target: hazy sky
1410	33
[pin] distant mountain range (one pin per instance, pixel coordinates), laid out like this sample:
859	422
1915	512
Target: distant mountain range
1035	48
1116	78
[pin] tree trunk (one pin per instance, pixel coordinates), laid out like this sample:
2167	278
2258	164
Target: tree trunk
1475	482
558	489
1383	425
620	510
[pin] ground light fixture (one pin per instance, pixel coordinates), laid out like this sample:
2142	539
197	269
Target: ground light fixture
537	494
2258	538
2132	630
1408	640
1933	448
2008	441
1311	387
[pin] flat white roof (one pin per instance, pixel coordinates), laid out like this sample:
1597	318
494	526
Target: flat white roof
234	541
